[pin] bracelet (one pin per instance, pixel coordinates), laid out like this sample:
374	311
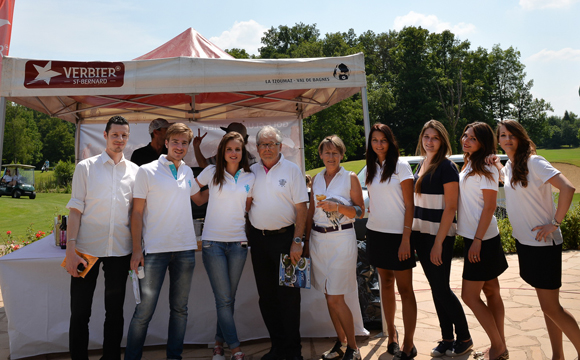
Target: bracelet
408	227
69	240
476	238
336	207
358	211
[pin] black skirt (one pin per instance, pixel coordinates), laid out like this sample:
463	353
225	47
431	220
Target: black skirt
541	266
383	251
492	261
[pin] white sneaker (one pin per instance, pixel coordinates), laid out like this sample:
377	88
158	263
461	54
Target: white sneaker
218	353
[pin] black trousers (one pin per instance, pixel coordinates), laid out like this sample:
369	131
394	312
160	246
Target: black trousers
449	309
81	300
279	305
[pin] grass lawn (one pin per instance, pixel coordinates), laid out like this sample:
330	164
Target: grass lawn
17	214
565	155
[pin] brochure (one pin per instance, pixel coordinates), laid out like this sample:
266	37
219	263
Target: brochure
294	275
91	260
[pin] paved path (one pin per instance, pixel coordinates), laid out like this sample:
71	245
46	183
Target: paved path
527	337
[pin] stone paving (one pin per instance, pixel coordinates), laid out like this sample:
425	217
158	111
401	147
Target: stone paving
526	335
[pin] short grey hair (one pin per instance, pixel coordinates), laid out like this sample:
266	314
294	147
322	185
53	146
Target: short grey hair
269	130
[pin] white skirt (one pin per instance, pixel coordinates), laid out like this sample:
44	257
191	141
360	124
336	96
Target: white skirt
333	258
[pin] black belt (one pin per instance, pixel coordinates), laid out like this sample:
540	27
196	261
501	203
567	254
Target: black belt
276	232
324	230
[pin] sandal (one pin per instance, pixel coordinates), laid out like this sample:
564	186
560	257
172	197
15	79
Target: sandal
393	347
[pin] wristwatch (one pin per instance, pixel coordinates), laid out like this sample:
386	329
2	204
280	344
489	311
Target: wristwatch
298	240
555	223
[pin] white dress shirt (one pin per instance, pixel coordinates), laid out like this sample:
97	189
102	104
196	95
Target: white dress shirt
103	193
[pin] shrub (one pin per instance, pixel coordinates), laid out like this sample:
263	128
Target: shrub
64	171
571	229
508	242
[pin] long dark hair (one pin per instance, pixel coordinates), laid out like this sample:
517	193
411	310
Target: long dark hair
444	150
220	166
391	159
488	145
526	148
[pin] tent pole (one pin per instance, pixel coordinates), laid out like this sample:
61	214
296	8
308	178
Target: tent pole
77	141
303	162
2	123
366	119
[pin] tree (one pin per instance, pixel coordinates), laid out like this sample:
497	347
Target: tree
504	74
290	42
447	59
531	112
21	137
239	53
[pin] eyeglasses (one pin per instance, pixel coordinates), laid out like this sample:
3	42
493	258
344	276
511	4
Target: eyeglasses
268	146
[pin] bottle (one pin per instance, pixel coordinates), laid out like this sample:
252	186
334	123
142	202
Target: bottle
56	231
63	232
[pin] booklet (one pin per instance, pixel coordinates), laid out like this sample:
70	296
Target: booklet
91	260
294	275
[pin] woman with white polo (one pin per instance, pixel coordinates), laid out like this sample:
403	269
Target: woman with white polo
224	242
390	185
484	259
528	180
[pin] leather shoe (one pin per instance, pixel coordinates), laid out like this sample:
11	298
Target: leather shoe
272	355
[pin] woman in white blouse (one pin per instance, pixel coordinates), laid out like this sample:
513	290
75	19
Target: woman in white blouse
484	259
224	242
337	199
535	220
390	185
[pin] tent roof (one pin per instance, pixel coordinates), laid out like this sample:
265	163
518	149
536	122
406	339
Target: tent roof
187	78
189	43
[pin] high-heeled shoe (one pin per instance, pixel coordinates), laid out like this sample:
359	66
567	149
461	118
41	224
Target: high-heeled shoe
393	348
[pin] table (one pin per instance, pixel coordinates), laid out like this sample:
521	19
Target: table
35	290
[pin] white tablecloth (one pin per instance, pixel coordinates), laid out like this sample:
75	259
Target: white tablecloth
35	290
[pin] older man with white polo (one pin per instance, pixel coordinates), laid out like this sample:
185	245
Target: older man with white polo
278	218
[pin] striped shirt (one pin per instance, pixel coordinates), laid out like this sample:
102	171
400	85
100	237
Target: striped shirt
429	205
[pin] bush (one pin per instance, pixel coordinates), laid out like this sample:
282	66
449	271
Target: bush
64	171
571	229
508	242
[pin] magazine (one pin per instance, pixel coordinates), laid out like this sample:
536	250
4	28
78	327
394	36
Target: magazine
294	275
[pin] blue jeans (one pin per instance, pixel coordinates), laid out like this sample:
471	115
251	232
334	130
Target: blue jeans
224	262
180	264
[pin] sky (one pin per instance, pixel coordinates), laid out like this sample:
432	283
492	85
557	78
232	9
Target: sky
545	32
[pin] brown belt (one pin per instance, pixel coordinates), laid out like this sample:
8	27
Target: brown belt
324	230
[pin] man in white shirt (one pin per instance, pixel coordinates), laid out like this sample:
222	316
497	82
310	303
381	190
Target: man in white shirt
278	218
98	225
163	239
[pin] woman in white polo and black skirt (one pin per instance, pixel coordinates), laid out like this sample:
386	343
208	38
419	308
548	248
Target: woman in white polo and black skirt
390	185
484	259
528	180
337	199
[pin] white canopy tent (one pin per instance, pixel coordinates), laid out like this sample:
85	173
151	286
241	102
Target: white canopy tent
204	85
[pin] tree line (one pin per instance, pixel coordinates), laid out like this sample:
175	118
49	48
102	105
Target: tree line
413	75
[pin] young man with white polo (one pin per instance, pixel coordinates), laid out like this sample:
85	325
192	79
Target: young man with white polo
163	239
278	218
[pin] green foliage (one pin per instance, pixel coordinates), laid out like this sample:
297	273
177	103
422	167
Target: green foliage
239	53
571	229
64	171
508	242
57	138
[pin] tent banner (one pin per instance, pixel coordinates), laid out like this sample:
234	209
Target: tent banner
182	75
92	141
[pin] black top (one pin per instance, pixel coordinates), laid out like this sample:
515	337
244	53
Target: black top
146	154
429	209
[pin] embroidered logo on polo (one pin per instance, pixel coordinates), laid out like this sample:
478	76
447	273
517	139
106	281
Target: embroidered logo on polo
247	187
282	182
189	182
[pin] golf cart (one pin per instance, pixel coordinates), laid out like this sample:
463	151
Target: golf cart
17	180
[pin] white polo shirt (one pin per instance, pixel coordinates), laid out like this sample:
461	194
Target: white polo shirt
470	204
103	193
533	205
386	203
276	193
225	220
167	220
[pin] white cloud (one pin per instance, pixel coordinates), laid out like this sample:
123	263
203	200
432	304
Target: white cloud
432	23
546	4
243	35
566	54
